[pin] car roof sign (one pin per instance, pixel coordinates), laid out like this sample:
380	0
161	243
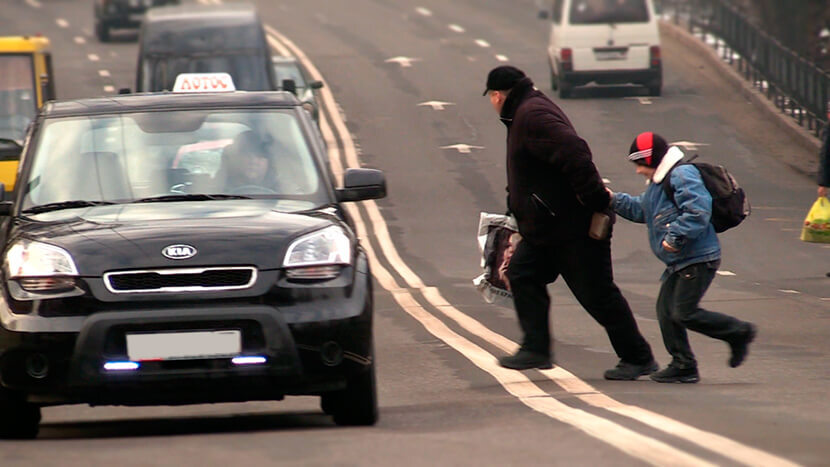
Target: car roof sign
204	82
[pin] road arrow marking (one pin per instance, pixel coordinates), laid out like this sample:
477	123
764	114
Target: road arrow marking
689	145
462	148
436	105
404	62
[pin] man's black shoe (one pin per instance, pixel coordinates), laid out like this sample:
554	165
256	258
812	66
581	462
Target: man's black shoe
625	371
672	374
525	360
740	346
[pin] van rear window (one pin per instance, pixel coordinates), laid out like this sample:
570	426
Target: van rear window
608	11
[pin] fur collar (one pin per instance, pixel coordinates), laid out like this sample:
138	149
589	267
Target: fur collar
672	157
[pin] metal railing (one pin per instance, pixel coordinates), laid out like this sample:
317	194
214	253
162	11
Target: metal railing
798	87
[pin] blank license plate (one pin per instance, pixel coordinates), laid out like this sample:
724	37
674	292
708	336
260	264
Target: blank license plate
184	345
610	55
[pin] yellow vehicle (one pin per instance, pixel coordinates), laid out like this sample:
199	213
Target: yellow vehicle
26	83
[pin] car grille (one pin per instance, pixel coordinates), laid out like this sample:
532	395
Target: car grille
181	280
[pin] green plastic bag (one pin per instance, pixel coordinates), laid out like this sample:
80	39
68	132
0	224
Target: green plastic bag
816	227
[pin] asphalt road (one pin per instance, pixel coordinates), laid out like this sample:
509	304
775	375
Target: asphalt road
444	401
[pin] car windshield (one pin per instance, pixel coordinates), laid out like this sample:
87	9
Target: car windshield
18	103
608	11
175	156
247	70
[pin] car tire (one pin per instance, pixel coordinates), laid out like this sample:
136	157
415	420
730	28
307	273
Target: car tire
565	89
20	419
357	405
102	30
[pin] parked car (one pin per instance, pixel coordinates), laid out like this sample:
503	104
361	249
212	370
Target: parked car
605	42
293	77
201	39
111	14
132	278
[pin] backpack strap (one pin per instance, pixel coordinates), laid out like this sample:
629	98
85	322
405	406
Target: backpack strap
666	183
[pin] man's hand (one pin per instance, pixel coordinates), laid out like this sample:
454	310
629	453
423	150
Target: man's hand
669	248
822	191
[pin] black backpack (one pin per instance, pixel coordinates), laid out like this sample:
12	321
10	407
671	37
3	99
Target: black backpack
730	205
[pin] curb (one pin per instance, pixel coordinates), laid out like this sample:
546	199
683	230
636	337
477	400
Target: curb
803	137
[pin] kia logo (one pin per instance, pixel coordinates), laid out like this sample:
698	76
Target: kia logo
179	251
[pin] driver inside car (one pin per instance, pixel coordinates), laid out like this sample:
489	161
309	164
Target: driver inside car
246	166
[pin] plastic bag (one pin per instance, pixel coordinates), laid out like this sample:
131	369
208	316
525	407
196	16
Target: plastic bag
498	237
816	227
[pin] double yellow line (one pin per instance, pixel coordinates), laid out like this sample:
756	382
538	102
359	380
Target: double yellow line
645	448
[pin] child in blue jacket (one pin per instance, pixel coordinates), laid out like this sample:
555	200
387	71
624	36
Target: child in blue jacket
681	235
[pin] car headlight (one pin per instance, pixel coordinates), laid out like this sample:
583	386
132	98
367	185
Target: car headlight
40	267
318	255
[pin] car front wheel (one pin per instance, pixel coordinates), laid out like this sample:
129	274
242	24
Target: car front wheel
357	405
19	419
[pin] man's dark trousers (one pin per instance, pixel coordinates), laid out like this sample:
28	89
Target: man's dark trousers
678	310
585	264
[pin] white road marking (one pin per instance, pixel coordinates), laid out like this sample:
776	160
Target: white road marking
642	100
606	181
34	3
789	291
104	73
109	88
62	22
482	43
456	28
726	273
404	62
79	40
93	58
462	148
423	11
513	380
502	58
436	105
689	145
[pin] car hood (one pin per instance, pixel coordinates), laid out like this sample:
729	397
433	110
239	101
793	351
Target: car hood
132	236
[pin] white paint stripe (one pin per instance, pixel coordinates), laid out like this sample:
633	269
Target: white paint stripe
79	40
423	11
726	273
502	58
34	3
482	43
109	88
93	58
62	22
789	291
711	441
456	28
104	73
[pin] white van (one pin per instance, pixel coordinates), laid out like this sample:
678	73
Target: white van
605	42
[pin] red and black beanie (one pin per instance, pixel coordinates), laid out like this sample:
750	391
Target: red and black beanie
648	149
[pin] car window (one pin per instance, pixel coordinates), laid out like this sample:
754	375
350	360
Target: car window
18	103
127	157
608	11
248	71
289	71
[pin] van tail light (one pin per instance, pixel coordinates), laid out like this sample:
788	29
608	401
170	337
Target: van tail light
654	54
566	58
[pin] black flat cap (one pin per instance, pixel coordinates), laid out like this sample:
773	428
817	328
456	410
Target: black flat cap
502	78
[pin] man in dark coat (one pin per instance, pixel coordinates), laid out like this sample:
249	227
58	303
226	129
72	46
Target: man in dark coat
553	191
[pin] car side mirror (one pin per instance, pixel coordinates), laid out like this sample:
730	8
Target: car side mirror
362	184
315	84
290	86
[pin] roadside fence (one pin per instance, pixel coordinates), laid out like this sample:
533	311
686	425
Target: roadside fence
798	87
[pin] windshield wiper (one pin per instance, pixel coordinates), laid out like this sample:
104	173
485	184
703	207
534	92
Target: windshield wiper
189	197
80	203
